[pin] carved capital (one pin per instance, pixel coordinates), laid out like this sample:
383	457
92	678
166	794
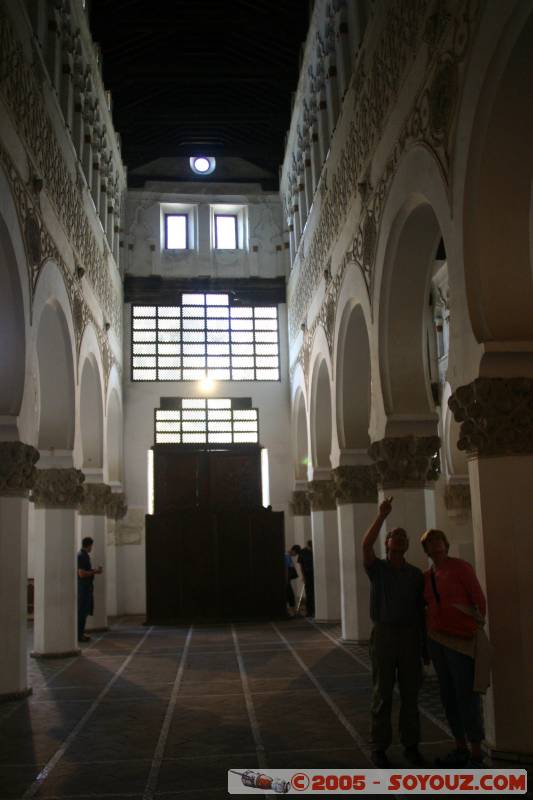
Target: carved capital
457	497
58	488
322	495
116	507
96	497
356	484
17	468
496	416
406	460
300	505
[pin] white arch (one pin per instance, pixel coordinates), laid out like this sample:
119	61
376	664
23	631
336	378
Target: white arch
300	435
114	424
321	405
14	312
353	378
90	405
416	211
493	159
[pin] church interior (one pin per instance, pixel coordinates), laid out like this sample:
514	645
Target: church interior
263	265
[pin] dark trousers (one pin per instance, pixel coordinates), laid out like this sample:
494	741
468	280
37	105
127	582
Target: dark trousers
309	584
462	705
396	655
85	608
291	602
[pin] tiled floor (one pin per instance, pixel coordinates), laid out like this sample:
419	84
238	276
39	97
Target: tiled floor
165	712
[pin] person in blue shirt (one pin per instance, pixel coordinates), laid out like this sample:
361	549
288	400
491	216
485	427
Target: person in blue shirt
86	575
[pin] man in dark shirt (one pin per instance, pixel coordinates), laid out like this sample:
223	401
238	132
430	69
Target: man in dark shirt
397	643
305	560
86	575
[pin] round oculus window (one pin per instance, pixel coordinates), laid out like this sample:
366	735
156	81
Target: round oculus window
202	165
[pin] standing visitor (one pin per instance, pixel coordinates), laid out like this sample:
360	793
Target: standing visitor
456	609
397	640
305	560
86	575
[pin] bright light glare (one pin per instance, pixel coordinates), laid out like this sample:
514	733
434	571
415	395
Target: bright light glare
176	232
201	164
207	384
226	232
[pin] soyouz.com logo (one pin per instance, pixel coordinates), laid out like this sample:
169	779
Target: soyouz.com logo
375	781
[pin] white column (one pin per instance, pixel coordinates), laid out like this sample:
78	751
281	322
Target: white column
342	48
116	509
356	491
497	432
407	471
332	93
17	475
316	158
308	180
301	511
323	125
92	522
325	551
57	495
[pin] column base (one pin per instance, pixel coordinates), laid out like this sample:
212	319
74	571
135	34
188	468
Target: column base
327	621
98	630
8	697
66	654
503	755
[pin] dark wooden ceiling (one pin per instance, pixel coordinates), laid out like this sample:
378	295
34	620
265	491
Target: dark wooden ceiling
192	77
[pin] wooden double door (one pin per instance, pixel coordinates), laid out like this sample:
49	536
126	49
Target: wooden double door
188	477
212	551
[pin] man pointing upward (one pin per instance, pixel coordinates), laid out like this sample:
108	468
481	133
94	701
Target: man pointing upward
397	640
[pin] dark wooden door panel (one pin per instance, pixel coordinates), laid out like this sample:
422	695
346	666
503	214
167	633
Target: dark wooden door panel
234	479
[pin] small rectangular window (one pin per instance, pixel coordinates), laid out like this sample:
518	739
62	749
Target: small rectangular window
176	232
226	232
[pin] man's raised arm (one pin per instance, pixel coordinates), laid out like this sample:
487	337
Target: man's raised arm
373	532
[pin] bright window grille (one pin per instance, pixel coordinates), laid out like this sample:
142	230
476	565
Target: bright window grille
226	232
206	421
176	231
205	336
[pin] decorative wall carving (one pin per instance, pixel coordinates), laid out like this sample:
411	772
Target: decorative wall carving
457	497
300	505
39	248
116	507
22	92
445	37
17	468
356	484
58	488
96	497
406	460
322	495
496	416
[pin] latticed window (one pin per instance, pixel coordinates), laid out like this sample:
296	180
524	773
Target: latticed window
205	336
207	421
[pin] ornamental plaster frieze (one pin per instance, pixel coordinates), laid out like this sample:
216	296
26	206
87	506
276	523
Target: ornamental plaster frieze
40	248
22	90
58	488
96	497
356	483
406	461
116	507
17	468
300	505
445	37
457	497
322	495
496	416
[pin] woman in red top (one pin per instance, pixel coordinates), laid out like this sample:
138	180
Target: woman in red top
454	599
